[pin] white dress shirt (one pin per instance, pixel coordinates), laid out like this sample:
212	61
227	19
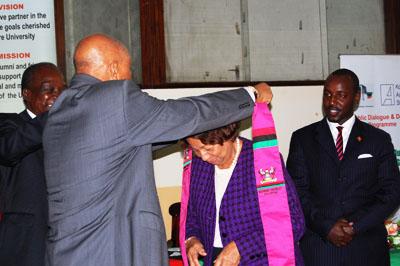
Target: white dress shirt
347	126
221	180
32	115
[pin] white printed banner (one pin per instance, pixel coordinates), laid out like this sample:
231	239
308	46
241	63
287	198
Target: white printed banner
380	104
380	92
27	36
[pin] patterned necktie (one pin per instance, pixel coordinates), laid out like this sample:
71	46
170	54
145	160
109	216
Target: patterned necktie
339	143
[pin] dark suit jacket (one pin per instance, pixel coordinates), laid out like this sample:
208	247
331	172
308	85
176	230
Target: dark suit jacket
239	215
22	197
362	190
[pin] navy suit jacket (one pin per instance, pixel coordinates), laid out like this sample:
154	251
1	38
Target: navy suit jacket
362	190
239	216
23	198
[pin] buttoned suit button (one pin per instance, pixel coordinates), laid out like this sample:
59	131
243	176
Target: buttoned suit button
252	257
224	235
222	218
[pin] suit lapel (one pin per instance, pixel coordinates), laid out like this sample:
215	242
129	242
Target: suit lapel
25	116
324	137
354	141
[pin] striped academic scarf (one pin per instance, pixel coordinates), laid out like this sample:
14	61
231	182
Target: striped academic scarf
271	190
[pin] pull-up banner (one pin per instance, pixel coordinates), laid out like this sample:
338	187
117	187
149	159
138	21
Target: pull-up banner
380	106
27	36
380	92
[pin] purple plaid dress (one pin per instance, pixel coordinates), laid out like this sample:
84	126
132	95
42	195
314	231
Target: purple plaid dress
239	217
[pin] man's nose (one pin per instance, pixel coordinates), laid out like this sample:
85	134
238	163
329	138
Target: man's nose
333	100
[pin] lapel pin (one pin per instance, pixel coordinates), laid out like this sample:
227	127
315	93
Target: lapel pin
359	139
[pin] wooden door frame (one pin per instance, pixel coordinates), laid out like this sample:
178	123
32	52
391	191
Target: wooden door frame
60	34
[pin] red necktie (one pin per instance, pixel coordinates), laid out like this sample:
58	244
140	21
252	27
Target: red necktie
339	143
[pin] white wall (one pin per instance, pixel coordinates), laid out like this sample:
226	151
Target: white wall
292	107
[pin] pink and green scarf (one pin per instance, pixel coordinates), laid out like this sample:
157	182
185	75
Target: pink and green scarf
272	195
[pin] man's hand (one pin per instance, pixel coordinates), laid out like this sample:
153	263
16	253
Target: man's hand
349	229
341	233
264	93
229	256
194	249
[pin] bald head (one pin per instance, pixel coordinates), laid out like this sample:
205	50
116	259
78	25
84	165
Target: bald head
102	57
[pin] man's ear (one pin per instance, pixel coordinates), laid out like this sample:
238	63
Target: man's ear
26	94
114	70
357	98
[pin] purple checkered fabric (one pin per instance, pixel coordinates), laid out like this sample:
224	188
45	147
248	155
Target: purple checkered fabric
239	216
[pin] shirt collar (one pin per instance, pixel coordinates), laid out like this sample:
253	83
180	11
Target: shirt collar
32	115
347	126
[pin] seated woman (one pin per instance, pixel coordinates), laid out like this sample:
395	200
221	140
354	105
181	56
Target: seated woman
222	181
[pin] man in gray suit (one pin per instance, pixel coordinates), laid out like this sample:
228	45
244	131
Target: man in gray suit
103	205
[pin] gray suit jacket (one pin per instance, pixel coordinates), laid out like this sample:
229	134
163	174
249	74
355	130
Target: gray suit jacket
103	205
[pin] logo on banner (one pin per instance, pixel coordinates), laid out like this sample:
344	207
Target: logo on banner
366	96
397	94
387	95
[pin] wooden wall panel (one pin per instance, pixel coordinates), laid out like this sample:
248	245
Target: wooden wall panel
60	34
152	42
392	26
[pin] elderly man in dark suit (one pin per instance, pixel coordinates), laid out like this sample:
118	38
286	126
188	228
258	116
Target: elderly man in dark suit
348	181
23	199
